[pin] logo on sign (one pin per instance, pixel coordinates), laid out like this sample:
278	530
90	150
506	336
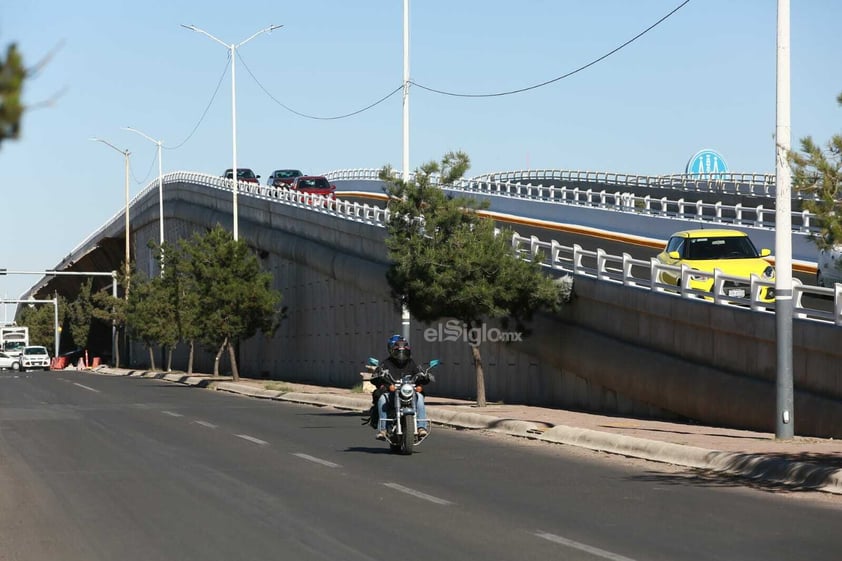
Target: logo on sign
707	163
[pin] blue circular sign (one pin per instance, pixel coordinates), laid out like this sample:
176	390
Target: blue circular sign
707	163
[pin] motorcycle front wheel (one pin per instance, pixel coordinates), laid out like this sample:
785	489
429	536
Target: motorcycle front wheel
407	437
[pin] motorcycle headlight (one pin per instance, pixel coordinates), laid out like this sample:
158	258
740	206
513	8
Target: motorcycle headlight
406	391
769	273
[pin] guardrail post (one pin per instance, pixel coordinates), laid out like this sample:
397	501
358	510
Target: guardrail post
601	273
837	303
577	258
555	250
533	245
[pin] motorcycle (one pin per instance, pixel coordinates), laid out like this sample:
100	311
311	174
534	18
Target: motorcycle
402	422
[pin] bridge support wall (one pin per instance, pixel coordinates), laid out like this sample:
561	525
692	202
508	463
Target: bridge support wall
615	349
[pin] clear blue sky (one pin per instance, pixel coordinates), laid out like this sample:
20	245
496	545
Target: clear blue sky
704	78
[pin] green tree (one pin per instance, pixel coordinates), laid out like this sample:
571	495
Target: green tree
179	288
149	313
816	172
80	314
236	299
112	310
12	75
448	261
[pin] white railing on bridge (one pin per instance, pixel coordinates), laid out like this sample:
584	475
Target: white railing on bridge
646	274
599	264
756	184
758	216
624	269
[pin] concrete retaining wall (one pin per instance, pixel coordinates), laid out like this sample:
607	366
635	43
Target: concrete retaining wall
614	349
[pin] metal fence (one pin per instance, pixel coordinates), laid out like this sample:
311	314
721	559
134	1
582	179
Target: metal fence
758	216
624	269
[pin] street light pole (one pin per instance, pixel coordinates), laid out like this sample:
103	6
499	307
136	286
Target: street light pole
405	91
158	143
785	414
406	319
126	153
232	48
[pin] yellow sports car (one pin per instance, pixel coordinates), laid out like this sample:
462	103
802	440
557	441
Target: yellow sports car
730	251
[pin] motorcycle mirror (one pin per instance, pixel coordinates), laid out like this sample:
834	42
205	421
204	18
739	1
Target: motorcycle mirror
434	362
373	361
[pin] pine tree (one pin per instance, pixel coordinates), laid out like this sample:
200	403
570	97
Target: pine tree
816	172
235	298
12	76
449	262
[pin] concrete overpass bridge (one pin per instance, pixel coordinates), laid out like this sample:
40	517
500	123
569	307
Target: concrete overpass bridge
626	344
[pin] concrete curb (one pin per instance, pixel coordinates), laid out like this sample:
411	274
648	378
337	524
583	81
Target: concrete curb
759	468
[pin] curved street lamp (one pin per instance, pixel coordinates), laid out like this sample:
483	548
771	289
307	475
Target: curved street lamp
233	51
125	153
158	143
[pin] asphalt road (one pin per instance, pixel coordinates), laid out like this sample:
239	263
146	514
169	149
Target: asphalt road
105	468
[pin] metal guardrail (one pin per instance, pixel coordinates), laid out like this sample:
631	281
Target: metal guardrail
623	269
758	184
729	215
645	274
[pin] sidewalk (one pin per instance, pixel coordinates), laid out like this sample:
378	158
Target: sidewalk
800	464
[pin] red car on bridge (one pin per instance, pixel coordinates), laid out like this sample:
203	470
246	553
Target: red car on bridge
314	185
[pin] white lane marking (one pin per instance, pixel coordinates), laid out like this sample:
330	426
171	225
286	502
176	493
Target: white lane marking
205	424
317	460
85	387
251	439
172	414
583	547
418	494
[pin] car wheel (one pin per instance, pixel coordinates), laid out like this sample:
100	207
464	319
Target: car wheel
16	366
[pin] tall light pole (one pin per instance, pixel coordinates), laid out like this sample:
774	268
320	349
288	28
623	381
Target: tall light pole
785	416
232	48
405	90
406	326
158	143
125	153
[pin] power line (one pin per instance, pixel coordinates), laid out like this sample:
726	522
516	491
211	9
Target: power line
306	116
571	73
148	172
205	112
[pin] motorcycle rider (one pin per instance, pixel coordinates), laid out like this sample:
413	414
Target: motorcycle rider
399	363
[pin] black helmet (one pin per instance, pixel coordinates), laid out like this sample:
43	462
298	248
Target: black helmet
401	352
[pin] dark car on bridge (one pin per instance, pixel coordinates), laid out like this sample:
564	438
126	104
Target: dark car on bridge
283	177
243	174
